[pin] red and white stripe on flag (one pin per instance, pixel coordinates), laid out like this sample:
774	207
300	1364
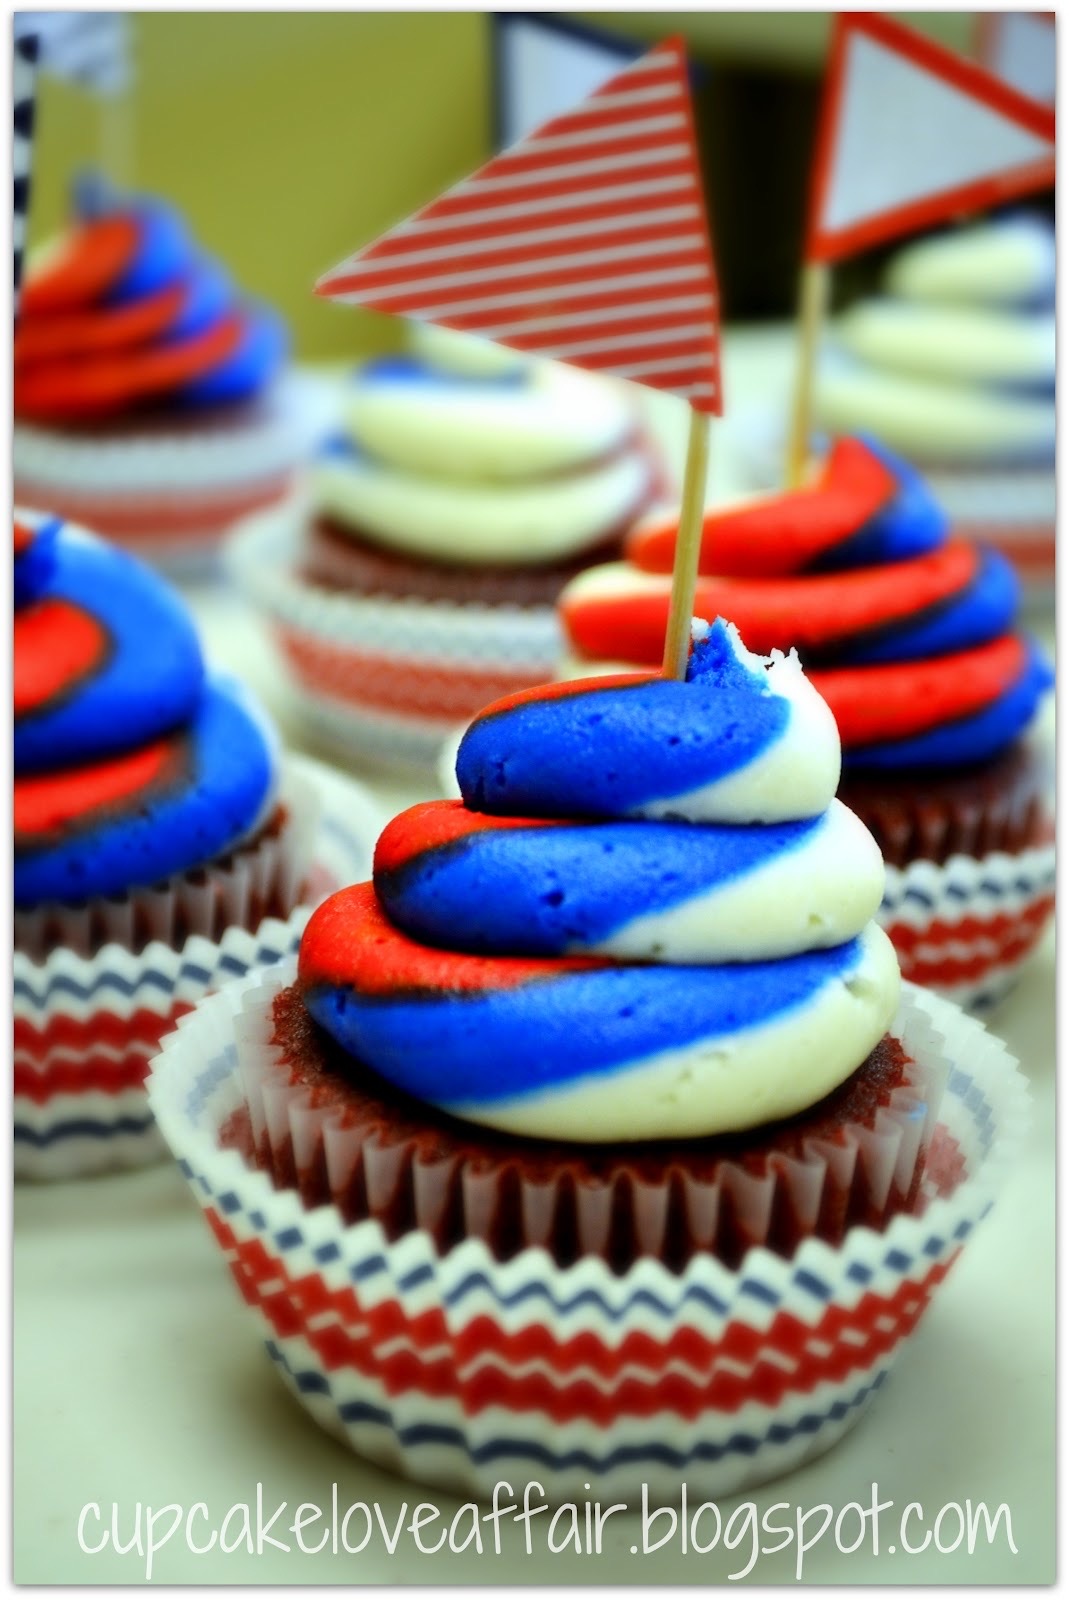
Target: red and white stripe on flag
587	241
912	134
1020	47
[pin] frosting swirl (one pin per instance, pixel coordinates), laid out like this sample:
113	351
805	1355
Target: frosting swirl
953	363
125	312
498	460
905	631
131	764
633	926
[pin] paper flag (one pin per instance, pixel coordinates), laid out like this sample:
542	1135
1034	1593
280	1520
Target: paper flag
586	242
90	48
912	134
1020	48
545	64
23	81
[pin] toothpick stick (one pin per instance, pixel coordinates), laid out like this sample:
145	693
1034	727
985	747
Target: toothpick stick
688	548
813	301
116	137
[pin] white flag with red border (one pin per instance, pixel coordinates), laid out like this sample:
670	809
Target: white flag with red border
911	135
587	242
1020	47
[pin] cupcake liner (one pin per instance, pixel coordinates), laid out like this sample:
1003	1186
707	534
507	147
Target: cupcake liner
86	1025
369	1161
386	677
264	563
239	891
182	456
967	928
457	1369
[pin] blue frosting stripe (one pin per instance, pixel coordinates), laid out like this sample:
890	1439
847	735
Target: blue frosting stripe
227	780
604	750
911	525
260	352
209	295
984	610
543	891
151	681
164	256
488	1047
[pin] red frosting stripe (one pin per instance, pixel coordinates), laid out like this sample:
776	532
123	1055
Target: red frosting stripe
106	381
48	802
780	533
22	537
873	704
352	921
813	613
434	823
83	268
57	646
61	336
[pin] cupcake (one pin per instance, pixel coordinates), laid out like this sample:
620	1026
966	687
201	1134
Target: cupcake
466	487
593	1140
952	366
909	633
160	846
150	399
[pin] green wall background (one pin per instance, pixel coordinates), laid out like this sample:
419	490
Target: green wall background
288	138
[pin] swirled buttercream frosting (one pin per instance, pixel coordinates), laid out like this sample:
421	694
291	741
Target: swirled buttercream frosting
131	764
125	312
906	631
648	917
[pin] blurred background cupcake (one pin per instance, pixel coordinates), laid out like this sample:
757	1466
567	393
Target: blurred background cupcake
952	366
464	490
152	400
909	631
161	845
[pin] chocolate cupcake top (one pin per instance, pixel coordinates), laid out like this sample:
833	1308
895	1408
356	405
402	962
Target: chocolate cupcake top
907	631
648	919
126	313
130	763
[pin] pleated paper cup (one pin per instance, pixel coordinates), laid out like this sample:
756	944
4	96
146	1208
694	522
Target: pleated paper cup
172	490
375	1154
102	985
386	679
967	928
458	1370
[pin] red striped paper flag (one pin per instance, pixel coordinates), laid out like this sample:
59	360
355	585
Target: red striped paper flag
587	242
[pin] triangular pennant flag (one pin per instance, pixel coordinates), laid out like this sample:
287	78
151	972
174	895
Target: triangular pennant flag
586	242
89	48
544	64
912	134
1020	47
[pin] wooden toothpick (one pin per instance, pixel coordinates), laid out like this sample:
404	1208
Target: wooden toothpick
116	138
813	300
688	548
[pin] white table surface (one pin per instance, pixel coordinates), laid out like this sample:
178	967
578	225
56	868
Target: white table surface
139	1375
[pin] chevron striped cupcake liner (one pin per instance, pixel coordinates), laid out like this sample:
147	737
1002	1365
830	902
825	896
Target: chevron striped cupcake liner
383	677
869	1172
172	494
458	1370
88	1017
967	928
